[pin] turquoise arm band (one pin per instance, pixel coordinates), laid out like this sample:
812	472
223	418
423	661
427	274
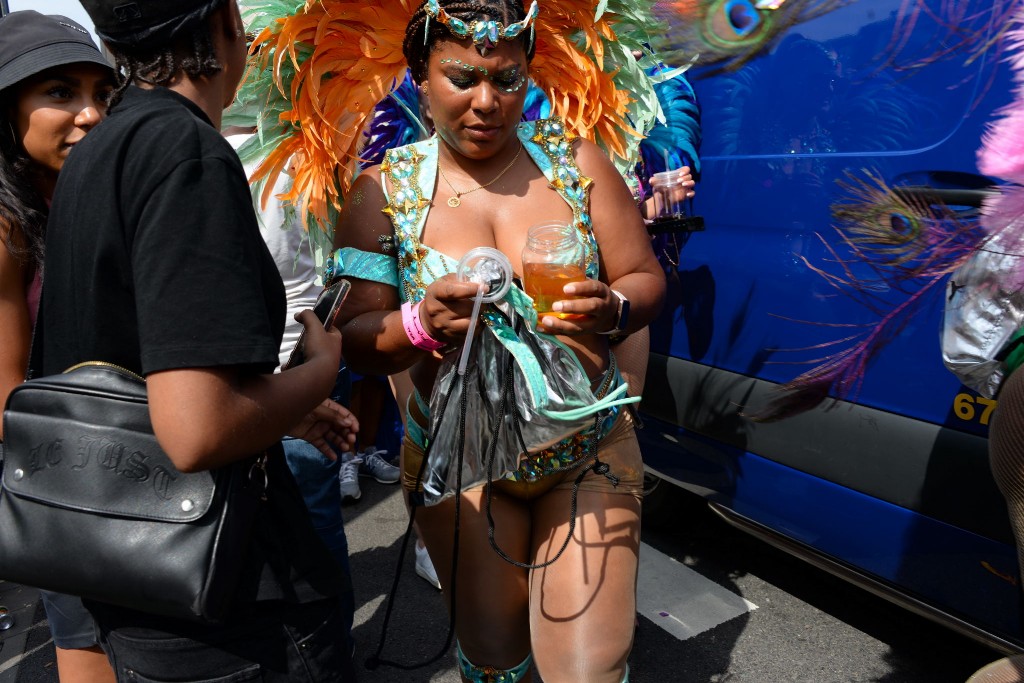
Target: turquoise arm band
362	265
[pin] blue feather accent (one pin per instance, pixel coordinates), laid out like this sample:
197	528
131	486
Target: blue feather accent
396	121
536	106
678	138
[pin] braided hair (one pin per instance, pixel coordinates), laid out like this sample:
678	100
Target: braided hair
23	209
192	53
417	50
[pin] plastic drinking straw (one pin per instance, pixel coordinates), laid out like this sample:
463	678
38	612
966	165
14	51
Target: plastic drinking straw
492	272
477	300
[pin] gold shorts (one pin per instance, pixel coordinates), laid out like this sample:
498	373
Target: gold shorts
619	449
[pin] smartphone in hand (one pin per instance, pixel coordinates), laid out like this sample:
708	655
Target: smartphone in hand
326	308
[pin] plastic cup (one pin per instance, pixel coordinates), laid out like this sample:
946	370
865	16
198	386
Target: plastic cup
669	195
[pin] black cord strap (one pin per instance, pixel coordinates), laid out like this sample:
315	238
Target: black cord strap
415	501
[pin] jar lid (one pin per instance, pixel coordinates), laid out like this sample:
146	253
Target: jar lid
488	266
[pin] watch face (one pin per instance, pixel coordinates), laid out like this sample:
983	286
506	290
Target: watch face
623	312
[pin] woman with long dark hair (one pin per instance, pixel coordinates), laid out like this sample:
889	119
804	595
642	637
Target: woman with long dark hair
54	88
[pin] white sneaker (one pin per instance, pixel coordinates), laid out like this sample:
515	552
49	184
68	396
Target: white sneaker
374	465
425	568
348	478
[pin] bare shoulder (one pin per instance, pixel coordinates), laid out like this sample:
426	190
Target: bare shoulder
5	232
363	225
362	219
611	197
12	264
367	191
14	272
594	161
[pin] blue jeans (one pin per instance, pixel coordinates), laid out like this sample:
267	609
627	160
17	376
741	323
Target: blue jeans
317	477
71	625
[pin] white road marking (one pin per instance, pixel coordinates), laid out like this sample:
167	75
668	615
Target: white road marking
15	661
680	600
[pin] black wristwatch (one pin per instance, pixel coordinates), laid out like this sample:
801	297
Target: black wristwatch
621	316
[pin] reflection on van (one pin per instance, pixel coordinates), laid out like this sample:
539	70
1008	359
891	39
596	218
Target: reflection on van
891	487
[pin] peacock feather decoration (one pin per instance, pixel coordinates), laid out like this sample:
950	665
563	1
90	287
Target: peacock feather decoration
971	31
910	242
896	248
726	34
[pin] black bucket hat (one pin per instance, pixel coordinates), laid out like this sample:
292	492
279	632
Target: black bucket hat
132	23
31	42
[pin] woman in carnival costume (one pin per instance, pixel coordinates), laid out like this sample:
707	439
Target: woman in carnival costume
566	517
481	181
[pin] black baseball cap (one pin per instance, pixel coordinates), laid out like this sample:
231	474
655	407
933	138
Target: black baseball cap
133	23
31	42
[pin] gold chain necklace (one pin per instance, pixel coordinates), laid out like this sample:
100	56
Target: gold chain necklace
456	200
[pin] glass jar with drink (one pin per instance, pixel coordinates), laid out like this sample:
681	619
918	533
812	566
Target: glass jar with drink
553	257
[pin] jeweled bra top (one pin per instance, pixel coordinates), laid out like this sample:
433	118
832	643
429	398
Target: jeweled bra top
410	174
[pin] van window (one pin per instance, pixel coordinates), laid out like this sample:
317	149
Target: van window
852	81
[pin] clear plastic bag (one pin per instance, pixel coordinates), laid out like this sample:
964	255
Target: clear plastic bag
513	372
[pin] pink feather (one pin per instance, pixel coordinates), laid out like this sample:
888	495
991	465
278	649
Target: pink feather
1002	150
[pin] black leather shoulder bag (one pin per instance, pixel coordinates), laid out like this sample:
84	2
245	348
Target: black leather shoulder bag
91	505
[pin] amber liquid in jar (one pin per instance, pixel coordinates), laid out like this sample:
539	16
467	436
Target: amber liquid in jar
552	258
544	283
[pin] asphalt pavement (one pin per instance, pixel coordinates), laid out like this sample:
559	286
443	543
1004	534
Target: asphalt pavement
26	650
715	606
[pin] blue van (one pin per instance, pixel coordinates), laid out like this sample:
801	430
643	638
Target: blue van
890	487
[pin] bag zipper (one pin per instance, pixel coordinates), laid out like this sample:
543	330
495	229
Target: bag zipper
105	364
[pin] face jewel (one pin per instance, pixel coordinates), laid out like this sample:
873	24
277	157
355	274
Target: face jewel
512	30
485	33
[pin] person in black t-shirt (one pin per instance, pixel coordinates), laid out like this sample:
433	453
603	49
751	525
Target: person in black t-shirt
155	263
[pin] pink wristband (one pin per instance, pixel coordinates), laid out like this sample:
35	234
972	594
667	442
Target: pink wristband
414	328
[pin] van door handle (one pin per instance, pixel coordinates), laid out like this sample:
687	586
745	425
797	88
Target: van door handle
952	188
950	196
